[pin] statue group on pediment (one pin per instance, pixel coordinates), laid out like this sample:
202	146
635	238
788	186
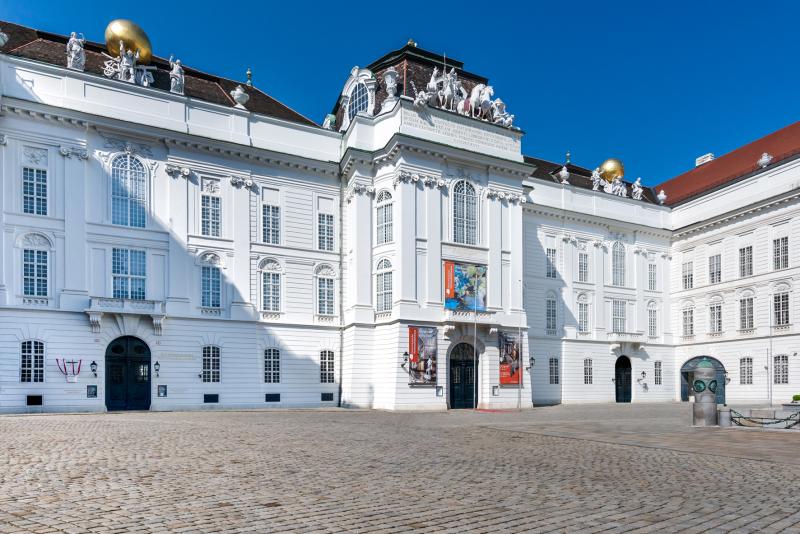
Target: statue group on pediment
125	68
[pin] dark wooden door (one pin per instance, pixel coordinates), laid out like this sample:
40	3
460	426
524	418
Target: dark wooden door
622	379
128	375
463	379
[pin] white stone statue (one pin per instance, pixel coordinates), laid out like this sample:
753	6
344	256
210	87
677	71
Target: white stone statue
618	188
637	189
500	115
662	197
76	55
240	96
175	76
390	83
597	180
563	174
127	64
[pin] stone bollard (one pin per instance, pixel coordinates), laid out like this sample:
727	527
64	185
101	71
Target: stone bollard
725	416
705	391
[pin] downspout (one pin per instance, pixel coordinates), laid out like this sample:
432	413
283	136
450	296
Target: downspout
341	285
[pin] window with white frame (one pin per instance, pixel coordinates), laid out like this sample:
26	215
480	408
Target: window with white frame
384	218
270	286
34	273
554	374
465	213
780	307
550	316
210	364
383	286
618	320
780	253
359	100
781	369
128	191
587	371
129	273
715	318
271	224
745	261
211	286
746	371
746	313
688	321
550	263
326	375
652	277
687	271
618	264
583	267
31	362
715	269
210	212
583	316
325	285
325	231
652	322
272	366
658	377
34	191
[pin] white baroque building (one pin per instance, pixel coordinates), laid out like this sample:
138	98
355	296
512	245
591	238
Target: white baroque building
171	240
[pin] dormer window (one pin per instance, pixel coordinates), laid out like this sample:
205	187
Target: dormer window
359	100
358	96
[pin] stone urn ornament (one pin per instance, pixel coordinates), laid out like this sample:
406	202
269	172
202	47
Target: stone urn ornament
240	96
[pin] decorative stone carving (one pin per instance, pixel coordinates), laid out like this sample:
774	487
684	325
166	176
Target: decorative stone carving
69	152
175	171
3	139
125	68
95	321
390	84
597	180
3	38
330	122
270	264
240	97
76	55
563	175
358	189
158	324
568	238
35	241
128	147
662	197
175	76
35	156
325	270
637	189
619	188
209	258
764	160
210	185
238	181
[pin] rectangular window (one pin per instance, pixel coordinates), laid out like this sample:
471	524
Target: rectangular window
271	224
34	191
210	290
325	231
210	216
554	371
688	322
688	275
715	269
34	273
715	318
271	292
745	261
657	373
550	267
550	317
583	267
618	316
652	277
746	313
781	309
210	364
128	273
583	317
587	371
383	292
746	371
325	296
326	367
652	322
31	361
781	369
384	218
780	253
272	366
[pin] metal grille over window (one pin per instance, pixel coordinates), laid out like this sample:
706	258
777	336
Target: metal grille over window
34	273
210	364
211	287
34	191
384	217
383	286
465	214
129	273
326	367
31	361
271	221
272	366
128	191
359	100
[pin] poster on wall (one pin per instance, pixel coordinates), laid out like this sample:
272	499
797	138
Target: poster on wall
510	360
422	355
464	286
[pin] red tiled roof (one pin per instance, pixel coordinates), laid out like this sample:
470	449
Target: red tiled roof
780	145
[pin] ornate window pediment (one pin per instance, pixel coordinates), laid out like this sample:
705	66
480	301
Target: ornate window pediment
270	265
34	240
358	95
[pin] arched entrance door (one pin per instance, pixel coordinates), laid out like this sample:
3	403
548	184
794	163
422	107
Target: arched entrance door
687	377
128	374
463	376
622	379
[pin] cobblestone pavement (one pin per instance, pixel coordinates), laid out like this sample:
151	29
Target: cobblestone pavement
569	468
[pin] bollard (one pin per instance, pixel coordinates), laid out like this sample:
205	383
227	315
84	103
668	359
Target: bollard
705	391
725	416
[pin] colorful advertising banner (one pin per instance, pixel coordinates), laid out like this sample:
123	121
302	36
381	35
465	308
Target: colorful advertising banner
510	360
464	286
422	355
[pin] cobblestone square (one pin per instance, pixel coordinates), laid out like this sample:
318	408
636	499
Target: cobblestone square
569	468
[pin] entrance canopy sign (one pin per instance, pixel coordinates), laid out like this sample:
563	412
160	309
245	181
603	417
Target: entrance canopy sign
464	286
422	351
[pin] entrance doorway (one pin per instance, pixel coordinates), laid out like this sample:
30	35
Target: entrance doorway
687	377
463	376
622	379
128	374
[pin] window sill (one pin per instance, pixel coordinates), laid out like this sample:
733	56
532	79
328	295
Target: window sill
746	331
271	315
29	300
325	318
714	334
211	312
687	338
781	328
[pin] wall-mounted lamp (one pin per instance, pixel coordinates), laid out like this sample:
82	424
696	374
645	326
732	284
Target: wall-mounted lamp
531	363
495	391
644	374
157	368
93	368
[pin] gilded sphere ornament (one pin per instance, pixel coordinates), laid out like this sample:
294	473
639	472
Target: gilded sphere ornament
132	35
612	168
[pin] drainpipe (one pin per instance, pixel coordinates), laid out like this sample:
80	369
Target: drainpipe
341	285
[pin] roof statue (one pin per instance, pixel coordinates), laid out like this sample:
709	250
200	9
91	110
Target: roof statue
76	55
175	76
637	189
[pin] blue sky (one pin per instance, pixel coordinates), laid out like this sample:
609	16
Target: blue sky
653	83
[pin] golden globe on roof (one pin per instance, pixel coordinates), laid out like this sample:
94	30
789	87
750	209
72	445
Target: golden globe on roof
611	169
132	36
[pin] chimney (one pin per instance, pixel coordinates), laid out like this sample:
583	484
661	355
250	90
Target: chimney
705	158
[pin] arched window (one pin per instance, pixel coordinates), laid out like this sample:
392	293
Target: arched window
465	214
128	191
618	264
210	364
359	100
31	362
270	285
384	217
272	366
383	286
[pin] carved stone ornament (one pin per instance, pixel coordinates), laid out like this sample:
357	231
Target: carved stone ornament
125	68
210	185
76	55
35	156
358	189
413	177
505	195
764	160
3	139
238	181
270	264
390	84
563	175
69	152
35	241
637	189
128	147
240	97
662	197
175	76
175	171
325	270
209	258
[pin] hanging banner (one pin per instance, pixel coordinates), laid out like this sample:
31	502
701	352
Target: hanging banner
422	346
464	286
510	352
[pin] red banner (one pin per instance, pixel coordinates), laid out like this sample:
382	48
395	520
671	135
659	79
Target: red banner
510	359
413	344
449	280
